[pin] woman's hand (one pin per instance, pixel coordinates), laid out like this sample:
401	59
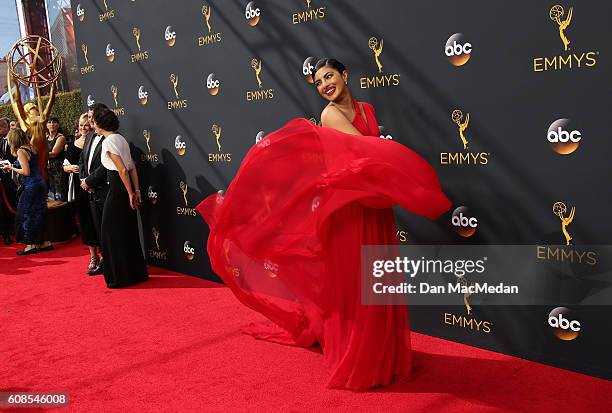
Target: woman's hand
75	169
133	200
6	168
138	197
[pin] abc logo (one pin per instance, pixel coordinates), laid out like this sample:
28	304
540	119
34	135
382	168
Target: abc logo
90	100
179	145
188	250
457	50
110	53
252	13
80	12
307	68
213	84
170	36
143	95
562	324
383	133
259	136
562	138
465	224
152	195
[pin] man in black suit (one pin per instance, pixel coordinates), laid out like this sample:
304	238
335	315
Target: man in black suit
93	178
8	197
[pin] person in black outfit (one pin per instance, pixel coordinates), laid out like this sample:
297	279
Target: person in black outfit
8	188
124	263
79	197
94	180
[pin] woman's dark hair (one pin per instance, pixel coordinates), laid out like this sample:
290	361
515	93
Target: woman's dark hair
328	62
53	119
106	119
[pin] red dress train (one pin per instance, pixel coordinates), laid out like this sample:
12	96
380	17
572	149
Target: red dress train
286	239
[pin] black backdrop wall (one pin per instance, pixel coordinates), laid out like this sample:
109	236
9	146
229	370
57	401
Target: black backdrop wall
509	103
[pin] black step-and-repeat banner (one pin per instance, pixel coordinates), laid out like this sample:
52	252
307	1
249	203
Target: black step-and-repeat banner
509	102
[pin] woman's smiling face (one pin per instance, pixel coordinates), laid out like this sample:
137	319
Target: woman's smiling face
330	83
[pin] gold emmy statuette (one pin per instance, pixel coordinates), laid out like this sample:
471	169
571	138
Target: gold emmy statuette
457	115
206	13
184	189
559	209
28	52
105	6
155	233
84	49
256	66
216	130
556	12
136	33
114	91
147	136
308	3
174	79
377	49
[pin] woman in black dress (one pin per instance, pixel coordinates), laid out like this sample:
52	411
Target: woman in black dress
123	260
77	195
56	142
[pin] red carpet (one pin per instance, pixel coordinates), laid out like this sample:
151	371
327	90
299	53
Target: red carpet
173	344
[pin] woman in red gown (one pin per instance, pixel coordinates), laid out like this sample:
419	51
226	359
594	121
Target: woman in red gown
286	235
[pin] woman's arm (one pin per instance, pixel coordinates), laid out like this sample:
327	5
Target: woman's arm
58	148
135	185
124	174
331	117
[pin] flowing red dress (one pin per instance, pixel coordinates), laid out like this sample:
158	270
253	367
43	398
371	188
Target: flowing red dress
286	237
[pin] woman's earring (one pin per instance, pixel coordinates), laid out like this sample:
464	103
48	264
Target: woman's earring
346	81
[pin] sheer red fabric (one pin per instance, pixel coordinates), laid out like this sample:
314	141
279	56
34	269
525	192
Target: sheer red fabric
286	239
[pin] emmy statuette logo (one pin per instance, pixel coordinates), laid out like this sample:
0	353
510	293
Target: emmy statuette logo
467	320
108	12
252	13
157	252
87	68
563	325
568	58
110	53
220	156
457	50
562	138
210	37
141	54
118	111
188	250
462	122
311	13
80	12
149	156
213	84
143	95
170	36
560	209
260	93
464	223
380	79
178	103
185	210
180	145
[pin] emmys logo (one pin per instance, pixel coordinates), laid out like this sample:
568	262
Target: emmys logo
312	13
178	103
143	95
210	37
152	195
108	14
141	55
110	53
149	156
568	60
563	325
118	111
170	36
180	145
252	13
258	94
87	68
90	100
218	157
213	84
561	139
464	223
157	253
457	50
308	67
468	322
80	12
188	250
185	210
463	158
379	80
